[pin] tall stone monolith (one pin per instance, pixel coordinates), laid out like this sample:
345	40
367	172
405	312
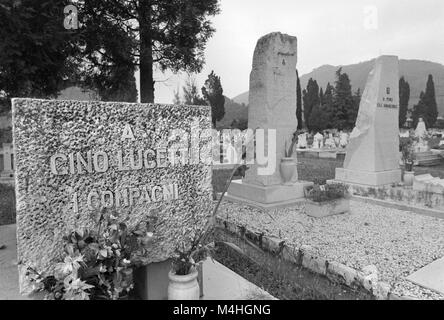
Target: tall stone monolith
272	108
373	152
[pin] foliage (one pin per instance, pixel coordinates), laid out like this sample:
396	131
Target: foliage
213	93
427	106
191	93
35	49
404	97
154	34
336	107
97	263
298	102
406	147
241	124
345	109
327	192
310	96
319	119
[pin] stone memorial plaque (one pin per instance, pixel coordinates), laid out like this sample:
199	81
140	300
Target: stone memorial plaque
74	159
373	151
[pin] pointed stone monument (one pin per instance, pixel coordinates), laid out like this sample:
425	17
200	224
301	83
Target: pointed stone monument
373	151
272	108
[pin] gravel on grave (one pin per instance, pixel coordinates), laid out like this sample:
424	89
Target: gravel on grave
397	242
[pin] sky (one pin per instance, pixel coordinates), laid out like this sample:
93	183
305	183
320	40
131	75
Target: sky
336	32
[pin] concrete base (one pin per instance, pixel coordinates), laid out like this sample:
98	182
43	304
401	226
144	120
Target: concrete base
269	197
374	179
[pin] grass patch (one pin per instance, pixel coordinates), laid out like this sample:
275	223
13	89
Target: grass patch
7	204
306	286
318	170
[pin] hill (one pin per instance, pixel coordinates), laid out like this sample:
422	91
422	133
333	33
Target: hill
233	111
414	71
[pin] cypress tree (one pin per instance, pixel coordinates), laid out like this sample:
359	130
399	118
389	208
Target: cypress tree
214	94
311	99
427	106
430	101
343	102
404	97
298	102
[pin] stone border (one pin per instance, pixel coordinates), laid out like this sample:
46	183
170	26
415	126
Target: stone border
306	257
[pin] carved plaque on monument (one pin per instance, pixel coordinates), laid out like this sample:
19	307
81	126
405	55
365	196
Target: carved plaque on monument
74	159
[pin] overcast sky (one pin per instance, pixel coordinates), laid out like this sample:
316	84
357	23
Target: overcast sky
336	32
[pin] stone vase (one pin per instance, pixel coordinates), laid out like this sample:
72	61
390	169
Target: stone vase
409	176
183	287
287	168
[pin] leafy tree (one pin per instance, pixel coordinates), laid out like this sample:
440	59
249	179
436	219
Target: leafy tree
191	94
298	102
404	97
327	108
344	107
163	34
328	95
35	49
311	99
430	102
106	58
427	106
213	93
319	119
419	111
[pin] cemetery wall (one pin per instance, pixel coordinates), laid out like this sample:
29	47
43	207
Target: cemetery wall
413	199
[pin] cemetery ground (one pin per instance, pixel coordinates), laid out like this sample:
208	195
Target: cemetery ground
358	239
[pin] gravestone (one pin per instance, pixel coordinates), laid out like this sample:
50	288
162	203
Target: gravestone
139	161
272	104
302	141
373	151
318	141
330	142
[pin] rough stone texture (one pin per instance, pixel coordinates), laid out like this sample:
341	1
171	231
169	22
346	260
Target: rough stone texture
340	272
374	142
426	201
45	210
272	98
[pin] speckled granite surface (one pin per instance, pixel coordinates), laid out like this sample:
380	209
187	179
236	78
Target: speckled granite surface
74	158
